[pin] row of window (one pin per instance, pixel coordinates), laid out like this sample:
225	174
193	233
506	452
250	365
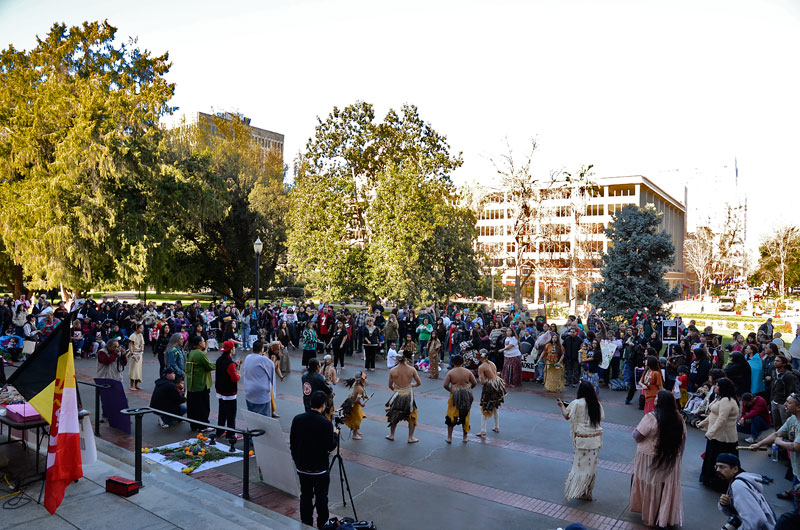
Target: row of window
491	230
492	214
268	144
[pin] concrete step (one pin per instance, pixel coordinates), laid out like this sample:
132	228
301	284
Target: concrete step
180	500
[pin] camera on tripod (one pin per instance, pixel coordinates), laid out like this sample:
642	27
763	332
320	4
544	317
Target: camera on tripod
338	417
732	523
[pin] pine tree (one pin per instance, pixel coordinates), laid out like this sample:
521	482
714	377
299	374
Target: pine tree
633	270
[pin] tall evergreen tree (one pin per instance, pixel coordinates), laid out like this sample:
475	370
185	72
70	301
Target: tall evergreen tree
633	270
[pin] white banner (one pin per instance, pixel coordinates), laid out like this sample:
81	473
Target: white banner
608	348
88	446
275	464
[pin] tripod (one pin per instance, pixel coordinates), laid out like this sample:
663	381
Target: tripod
342	476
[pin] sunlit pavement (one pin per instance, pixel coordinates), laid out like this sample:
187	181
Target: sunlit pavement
513	479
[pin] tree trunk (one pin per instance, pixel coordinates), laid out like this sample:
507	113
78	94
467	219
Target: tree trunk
517	289
19	287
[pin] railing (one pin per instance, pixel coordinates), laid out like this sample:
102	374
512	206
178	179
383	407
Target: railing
97	389
246	436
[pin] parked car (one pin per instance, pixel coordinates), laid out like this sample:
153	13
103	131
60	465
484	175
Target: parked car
727	303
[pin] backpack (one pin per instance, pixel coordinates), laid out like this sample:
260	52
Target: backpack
617	384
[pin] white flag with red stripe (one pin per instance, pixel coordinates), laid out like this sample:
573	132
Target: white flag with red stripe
64	451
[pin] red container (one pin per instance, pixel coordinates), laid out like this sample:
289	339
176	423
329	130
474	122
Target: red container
122	486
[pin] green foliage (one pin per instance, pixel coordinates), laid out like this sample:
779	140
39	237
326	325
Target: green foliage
244	199
633	270
374	213
81	174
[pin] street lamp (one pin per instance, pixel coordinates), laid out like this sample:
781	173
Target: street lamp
257	246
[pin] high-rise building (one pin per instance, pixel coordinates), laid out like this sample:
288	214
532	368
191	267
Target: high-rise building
266	139
561	232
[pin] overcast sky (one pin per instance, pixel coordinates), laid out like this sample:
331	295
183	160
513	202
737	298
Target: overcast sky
674	90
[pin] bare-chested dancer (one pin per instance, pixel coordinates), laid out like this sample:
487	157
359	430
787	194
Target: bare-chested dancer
459	382
402	406
493	394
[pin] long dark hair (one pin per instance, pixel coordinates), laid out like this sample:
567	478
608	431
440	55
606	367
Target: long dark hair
586	391
670	430
726	389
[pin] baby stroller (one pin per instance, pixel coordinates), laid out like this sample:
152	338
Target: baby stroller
11	347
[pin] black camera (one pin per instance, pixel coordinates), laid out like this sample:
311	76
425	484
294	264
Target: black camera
338	417
732	523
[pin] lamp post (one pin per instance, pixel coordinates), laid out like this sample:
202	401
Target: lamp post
257	246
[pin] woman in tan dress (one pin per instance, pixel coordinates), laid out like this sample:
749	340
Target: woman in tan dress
135	351
584	415
656	485
554	365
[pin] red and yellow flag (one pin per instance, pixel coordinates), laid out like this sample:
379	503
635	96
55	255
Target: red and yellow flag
64	451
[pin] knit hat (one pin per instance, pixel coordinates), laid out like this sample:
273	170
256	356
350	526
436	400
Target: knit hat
729	459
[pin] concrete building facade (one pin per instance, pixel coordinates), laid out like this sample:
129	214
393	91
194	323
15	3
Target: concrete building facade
568	234
266	139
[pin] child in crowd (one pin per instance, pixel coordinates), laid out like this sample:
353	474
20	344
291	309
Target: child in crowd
683	380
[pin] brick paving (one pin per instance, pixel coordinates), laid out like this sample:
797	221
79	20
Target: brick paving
283	503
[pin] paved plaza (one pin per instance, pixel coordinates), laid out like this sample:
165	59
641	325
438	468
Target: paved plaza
511	480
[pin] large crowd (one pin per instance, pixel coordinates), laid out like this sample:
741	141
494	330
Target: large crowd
748	386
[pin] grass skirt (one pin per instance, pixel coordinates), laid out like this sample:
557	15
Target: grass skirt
458	407
401	407
492	396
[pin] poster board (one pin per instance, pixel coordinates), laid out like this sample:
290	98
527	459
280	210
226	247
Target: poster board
608	348
529	365
275	464
669	331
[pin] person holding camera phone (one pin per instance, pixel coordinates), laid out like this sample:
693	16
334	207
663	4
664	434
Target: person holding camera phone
744	501
311	438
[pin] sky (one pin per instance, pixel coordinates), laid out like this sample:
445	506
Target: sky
675	90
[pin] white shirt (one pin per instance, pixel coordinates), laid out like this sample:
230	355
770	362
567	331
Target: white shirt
514	350
391	358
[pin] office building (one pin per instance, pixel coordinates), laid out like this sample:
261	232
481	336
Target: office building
565	247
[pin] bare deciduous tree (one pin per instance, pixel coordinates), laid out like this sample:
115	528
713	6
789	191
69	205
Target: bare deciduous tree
779	252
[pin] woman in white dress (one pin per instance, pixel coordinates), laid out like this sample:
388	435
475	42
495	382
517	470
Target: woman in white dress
584	415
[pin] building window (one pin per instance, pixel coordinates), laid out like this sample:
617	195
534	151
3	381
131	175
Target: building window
595	209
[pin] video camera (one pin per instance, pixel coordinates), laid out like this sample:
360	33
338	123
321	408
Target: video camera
338	417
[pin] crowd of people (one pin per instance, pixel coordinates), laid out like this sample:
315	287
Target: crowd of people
749	386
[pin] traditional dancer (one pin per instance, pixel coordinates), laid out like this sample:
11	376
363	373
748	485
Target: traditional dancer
459	382
352	406
401	406
493	394
554	365
584	415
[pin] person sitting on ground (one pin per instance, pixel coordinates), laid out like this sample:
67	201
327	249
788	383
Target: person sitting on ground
168	397
755	417
744	497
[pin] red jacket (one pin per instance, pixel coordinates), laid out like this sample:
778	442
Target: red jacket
757	408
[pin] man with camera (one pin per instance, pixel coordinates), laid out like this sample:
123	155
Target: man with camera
744	502
311	438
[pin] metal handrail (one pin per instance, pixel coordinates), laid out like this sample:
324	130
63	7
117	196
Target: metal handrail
247	434
97	389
